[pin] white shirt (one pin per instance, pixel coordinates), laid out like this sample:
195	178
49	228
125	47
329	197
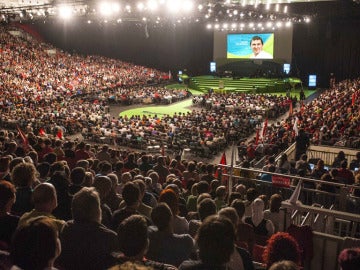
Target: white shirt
262	55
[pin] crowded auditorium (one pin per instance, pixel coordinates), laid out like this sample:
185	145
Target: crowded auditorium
179	134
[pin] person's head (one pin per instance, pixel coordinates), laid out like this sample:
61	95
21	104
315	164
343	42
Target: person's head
85	206
114	180
4	163
77	175
215	239
258	206
256	44
102	184
239	206
220	192
281	246
349	259
7	195
126	177
141	184
284	265
133	236
202	187
83	163
43	168
205	208
169	197
105	167
50	158
161	216
233	196
35	245
230	213
154	177
251	194
24	174
44	197
275	202
131	194
343	164
88	179
304	157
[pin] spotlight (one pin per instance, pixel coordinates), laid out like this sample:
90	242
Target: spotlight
65	12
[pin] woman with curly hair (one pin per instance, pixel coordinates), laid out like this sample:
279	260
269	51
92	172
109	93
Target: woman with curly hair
281	246
24	177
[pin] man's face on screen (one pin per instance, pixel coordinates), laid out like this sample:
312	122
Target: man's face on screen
256	46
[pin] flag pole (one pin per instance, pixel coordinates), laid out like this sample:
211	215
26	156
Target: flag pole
230	183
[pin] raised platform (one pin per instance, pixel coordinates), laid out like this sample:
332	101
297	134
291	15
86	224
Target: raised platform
247	85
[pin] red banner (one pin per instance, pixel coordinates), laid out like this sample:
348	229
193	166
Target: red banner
280	181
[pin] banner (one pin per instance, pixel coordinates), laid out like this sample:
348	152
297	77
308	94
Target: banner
280	181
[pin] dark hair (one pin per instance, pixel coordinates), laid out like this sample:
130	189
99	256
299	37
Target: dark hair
7	192
43	168
133	235
281	246
23	174
202	187
161	216
239	206
131	193
206	207
251	194
34	244
215	239
256	38
77	175
275	202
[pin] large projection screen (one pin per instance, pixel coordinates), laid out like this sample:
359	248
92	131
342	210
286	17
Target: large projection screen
280	39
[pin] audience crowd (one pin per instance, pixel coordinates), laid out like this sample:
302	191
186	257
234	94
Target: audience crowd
76	205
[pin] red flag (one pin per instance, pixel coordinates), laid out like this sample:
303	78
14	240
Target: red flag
257	136
222	162
264	128
353	98
59	134
23	137
42	132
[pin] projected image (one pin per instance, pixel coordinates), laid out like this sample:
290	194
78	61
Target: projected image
250	46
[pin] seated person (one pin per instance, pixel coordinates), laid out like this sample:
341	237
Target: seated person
263	228
165	246
35	245
216	242
134	242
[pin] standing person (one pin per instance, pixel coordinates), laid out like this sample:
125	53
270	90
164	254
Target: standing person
302	143
8	222
256	45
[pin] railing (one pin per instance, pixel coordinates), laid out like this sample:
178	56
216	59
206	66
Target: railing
328	153
324	220
342	200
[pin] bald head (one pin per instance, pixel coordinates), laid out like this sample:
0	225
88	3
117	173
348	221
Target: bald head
44	197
